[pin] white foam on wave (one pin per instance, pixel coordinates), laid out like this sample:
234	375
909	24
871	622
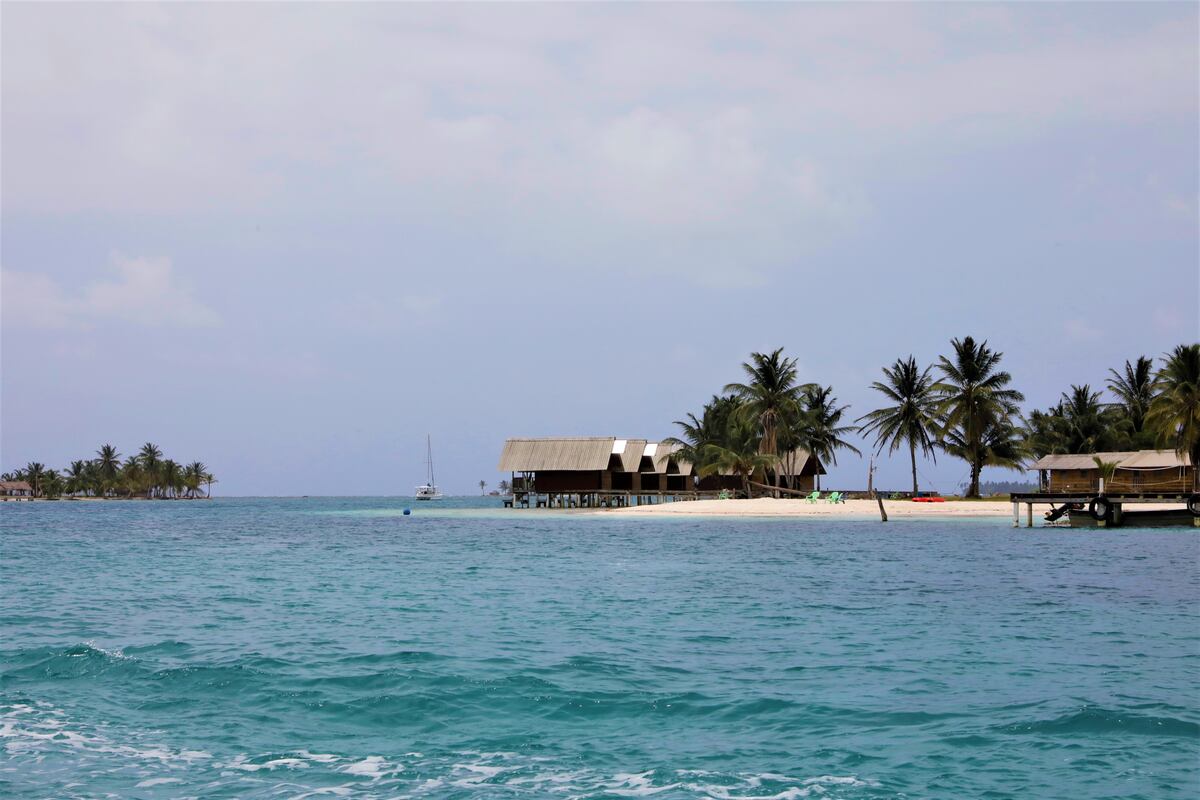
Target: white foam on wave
35	728
241	763
146	784
372	767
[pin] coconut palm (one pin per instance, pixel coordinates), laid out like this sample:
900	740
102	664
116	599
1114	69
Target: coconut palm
108	465
52	483
77	478
171	476
1134	388
770	392
738	454
825	433
134	478
912	419
700	435
974	402
1091	426
34	474
151	457
1000	444
1174	414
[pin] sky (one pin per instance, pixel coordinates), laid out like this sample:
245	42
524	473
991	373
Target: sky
291	241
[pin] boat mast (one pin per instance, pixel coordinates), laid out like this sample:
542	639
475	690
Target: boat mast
429	458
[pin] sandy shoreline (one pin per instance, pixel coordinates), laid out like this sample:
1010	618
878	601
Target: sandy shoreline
795	508
771	507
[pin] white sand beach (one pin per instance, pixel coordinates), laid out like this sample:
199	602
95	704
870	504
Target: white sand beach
770	507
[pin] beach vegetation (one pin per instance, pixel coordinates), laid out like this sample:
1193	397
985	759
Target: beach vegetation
1133	386
977	408
822	432
770	393
145	475
1174	413
911	418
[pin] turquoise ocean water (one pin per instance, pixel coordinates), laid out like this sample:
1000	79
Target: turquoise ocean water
335	648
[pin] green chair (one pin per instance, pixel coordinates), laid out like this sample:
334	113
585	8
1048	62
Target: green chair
814	497
835	497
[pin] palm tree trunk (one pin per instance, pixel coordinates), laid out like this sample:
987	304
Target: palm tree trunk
912	452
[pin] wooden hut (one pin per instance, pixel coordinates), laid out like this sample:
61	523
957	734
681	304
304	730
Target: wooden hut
563	464
799	470
660	472
590	470
796	470
1137	472
15	490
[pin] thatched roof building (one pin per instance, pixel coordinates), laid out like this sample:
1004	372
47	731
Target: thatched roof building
1143	471
594	463
15	489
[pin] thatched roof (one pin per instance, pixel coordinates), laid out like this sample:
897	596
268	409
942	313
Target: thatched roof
15	486
661	455
560	453
630	451
1127	459
798	462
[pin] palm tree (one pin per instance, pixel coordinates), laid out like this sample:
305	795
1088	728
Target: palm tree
151	457
483	487
738	454
700	435
825	433
77	478
771	392
172	478
1134	388
912	420
107	466
1174	414
974	402
34	475
134	477
52	483
1000	444
1090	426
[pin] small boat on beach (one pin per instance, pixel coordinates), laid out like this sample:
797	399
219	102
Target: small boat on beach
429	489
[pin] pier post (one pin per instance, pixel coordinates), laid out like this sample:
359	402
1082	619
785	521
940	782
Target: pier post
1029	515
1016	514
1118	515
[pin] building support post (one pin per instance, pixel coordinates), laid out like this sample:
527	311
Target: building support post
1029	515
1118	515
1016	514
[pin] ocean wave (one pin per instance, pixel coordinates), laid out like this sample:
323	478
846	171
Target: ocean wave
34	732
1096	720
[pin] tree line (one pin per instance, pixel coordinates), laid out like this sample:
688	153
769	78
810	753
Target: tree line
146	474
963	405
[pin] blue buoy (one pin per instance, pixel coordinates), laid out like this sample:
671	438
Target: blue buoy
407	511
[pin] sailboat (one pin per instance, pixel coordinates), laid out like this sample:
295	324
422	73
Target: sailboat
429	489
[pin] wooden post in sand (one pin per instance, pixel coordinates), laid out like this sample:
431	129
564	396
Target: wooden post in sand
882	513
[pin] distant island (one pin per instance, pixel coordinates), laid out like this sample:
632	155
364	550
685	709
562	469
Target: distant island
146	475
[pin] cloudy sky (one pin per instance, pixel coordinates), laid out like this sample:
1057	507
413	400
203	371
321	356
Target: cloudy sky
291	240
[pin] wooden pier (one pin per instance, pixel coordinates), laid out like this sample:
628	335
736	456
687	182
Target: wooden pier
1106	510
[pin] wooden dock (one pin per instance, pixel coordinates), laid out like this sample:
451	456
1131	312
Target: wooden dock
1107	510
